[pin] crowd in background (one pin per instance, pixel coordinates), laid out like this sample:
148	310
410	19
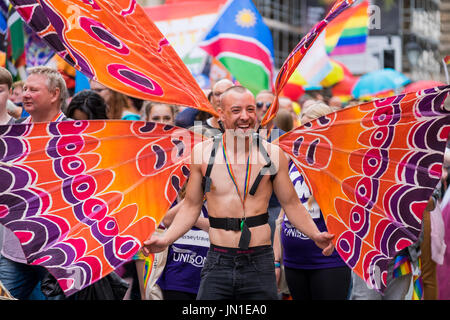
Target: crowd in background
302	271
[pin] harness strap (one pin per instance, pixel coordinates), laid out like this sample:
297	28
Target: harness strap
267	167
206	180
234	224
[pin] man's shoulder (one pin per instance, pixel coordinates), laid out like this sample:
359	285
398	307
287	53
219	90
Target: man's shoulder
206	143
269	145
21	120
11	121
205	129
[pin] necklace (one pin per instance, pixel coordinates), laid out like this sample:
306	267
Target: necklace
248	172
244	240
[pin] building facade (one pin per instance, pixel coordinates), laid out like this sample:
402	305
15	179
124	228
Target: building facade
421	34
406	35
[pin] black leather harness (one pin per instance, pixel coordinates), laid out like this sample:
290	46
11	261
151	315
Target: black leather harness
234	224
239	224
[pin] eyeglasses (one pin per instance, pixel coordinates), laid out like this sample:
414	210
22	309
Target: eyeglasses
259	105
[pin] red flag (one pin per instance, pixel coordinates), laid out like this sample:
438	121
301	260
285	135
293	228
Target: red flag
447	60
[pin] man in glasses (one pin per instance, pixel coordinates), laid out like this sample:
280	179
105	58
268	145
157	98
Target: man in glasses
220	87
264	100
210	126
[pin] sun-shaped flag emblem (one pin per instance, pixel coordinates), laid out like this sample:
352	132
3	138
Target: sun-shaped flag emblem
246	18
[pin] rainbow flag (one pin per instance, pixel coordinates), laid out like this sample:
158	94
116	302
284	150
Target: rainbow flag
347	34
148	267
403	266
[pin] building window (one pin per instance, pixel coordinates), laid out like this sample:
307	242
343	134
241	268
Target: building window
284	18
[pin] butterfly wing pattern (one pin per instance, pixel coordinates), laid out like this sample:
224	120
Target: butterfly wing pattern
115	43
82	196
372	169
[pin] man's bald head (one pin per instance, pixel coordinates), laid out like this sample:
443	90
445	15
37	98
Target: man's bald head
237	109
220	87
233	89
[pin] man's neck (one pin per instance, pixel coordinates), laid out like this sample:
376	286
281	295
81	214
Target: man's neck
237	143
4	117
39	117
213	122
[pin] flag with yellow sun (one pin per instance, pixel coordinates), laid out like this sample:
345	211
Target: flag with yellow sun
242	42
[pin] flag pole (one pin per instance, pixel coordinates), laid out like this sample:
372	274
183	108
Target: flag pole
446	71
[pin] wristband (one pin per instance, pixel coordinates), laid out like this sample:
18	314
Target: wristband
277	264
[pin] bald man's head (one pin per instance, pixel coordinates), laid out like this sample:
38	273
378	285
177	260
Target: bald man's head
220	87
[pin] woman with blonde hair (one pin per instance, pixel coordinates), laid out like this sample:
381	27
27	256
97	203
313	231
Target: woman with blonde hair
315	110
119	106
159	112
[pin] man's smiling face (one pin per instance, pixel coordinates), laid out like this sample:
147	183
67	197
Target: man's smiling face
238	111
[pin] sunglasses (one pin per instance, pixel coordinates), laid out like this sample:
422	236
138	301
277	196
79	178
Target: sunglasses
259	105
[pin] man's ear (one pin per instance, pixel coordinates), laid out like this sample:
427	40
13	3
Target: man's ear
220	111
56	95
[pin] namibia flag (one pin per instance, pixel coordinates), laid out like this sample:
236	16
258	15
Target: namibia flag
242	42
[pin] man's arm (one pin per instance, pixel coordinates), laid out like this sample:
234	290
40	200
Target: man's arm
185	218
201	223
294	209
277	250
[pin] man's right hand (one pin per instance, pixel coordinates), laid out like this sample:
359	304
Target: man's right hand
154	245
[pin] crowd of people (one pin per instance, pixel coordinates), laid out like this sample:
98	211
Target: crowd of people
225	236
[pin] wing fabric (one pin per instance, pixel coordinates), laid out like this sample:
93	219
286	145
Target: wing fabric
115	43
82	196
372	169
299	52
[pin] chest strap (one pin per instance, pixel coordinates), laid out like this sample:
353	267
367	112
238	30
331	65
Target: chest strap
268	167
206	180
234	224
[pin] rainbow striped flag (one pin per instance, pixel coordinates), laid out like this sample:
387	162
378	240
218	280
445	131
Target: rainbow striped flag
418	289
148	267
347	34
403	266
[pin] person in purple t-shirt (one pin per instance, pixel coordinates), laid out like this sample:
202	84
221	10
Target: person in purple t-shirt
309	274
180	279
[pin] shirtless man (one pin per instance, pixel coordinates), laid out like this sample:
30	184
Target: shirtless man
239	265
